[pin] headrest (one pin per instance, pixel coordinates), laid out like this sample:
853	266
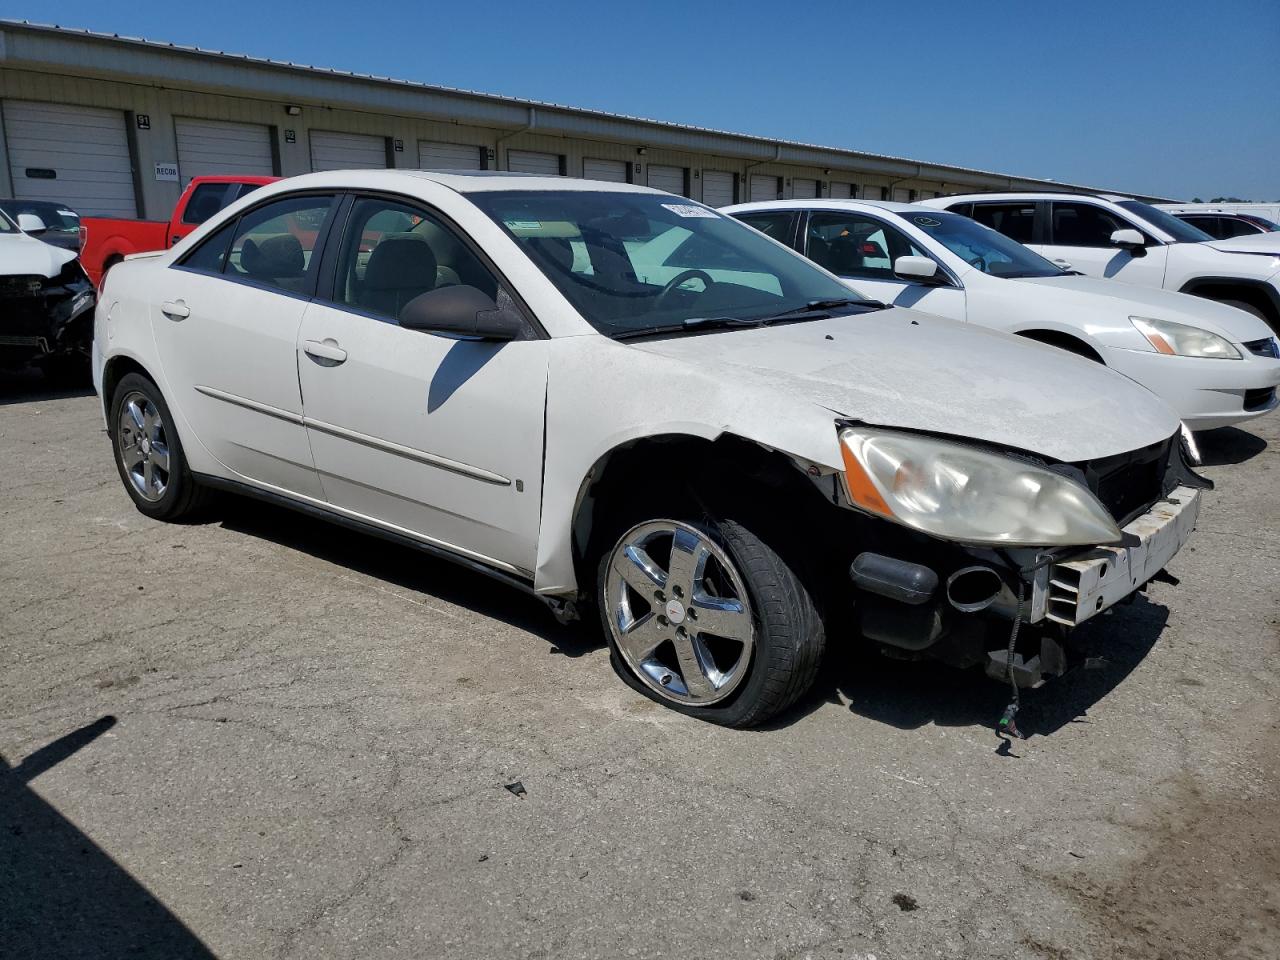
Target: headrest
399	263
275	257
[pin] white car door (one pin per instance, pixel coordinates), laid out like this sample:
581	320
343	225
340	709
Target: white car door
427	434
226	321
1079	234
861	249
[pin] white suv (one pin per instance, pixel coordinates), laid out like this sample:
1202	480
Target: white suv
1118	238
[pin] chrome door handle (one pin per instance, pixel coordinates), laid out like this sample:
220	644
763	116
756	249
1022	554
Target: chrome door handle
321	350
175	309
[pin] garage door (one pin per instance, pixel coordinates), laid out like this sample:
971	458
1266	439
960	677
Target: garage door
764	188
717	188
527	161
670	179
842	191
75	155
804	189
615	171
448	156
901	194
213	147
347	151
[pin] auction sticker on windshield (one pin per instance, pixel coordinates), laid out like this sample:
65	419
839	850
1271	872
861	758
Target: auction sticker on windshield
689	210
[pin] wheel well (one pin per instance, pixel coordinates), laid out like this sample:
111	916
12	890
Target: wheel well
1245	293
116	370
686	475
1063	341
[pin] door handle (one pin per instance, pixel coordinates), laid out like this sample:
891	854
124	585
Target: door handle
175	309
325	350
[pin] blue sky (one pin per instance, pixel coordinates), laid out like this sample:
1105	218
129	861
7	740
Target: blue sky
1170	97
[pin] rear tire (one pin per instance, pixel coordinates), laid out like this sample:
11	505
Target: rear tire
771	637
148	453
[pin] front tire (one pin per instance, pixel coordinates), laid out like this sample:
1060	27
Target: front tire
149	453
708	619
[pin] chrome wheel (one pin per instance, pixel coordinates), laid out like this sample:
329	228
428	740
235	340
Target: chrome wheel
679	612
144	446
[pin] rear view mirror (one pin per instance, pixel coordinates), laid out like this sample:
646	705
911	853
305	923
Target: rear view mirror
1127	238
30	223
916	268
460	311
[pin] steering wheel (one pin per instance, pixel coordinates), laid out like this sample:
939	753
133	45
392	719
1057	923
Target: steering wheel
680	278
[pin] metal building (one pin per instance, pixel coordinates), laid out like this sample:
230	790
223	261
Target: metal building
115	126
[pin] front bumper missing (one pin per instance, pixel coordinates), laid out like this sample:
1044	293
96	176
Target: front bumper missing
1077	589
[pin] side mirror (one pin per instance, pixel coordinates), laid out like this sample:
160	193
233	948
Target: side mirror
460	311
30	223
917	268
1128	238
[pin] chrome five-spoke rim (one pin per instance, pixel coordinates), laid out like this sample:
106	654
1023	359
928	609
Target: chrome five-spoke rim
679	612
144	446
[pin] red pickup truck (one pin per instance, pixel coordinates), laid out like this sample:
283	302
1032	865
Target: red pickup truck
106	241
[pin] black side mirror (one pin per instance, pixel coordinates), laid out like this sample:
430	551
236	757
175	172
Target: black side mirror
461	311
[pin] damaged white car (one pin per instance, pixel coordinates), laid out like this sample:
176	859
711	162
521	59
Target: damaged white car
624	401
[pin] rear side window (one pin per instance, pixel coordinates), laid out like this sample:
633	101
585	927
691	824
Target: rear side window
274	244
775	225
206	200
1015	220
1232	227
1084	225
211	255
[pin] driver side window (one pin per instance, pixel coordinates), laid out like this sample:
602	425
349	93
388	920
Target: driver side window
1084	225
854	245
392	252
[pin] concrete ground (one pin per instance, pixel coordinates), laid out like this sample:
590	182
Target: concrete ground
261	737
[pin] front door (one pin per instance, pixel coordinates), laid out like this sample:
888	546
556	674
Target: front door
861	249
226	325
1079	235
430	435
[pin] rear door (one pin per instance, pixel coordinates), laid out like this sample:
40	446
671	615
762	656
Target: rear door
1079	235
861	249
434	436
226	322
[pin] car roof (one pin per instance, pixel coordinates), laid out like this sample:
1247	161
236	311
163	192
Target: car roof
460	181
822	203
1026	195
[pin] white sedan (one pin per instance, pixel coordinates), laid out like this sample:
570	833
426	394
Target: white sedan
621	400
1214	364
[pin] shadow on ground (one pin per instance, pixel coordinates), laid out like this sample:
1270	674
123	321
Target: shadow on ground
63	896
407	568
30	385
1228	445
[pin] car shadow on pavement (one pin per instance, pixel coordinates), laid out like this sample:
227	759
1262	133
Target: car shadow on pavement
29	386
409	569
909	695
63	896
1228	445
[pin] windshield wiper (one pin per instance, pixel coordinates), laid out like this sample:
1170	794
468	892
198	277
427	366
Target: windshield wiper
691	325
820	309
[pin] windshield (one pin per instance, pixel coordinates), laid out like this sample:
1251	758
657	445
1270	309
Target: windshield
54	215
980	246
634	261
1180	230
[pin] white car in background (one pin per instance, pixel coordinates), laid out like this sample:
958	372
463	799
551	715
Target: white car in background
1212	363
622	400
1119	238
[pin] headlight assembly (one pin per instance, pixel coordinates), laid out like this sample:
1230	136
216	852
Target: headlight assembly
1181	340
969	495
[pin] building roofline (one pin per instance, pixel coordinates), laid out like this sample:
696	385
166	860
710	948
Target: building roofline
889	164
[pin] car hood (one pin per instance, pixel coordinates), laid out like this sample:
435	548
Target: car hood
24	256
901	368
1250	243
1134	300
